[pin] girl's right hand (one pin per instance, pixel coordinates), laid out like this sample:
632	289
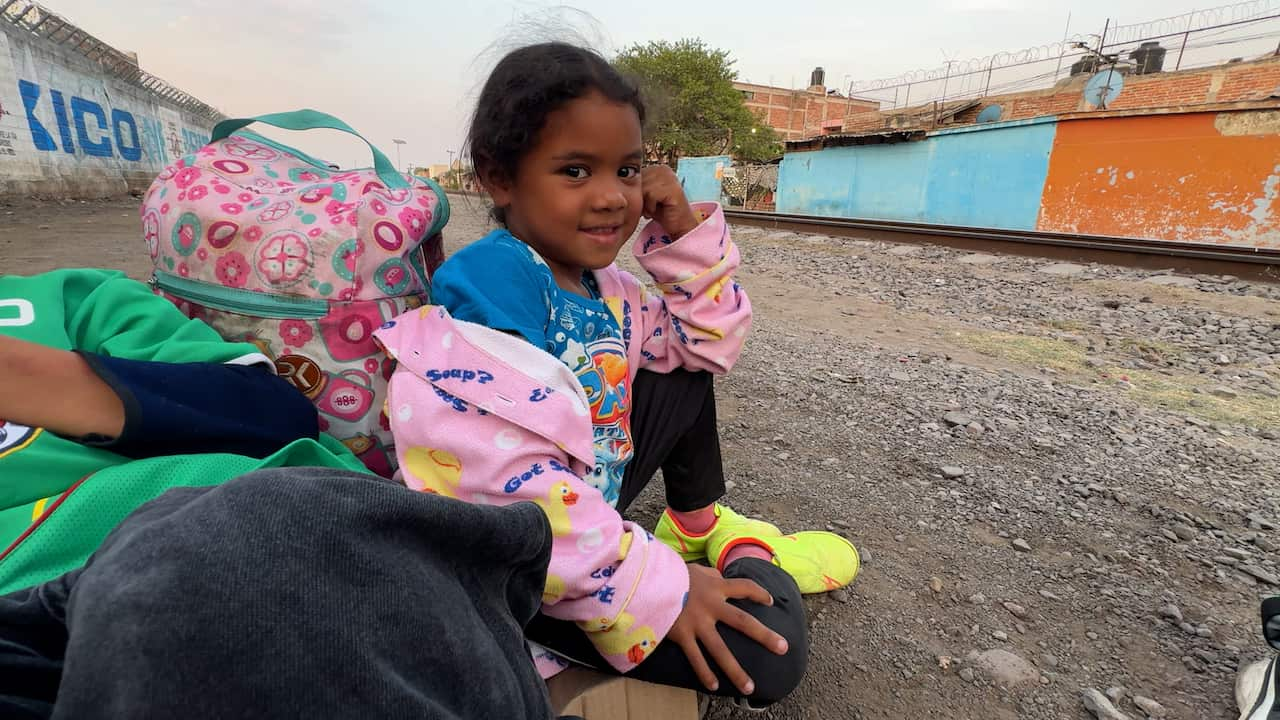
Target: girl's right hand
708	605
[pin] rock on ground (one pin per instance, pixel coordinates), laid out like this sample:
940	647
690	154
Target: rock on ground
1098	704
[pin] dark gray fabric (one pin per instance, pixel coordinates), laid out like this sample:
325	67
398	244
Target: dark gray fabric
291	593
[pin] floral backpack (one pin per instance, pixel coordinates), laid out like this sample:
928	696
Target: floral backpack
269	245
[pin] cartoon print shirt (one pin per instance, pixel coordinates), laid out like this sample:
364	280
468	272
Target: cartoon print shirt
582	332
107	314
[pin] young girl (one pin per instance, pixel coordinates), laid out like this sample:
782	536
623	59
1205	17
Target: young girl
590	384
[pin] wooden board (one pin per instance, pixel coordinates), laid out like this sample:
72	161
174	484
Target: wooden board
596	696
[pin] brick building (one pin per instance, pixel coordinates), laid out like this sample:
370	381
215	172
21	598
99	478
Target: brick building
1233	82
796	114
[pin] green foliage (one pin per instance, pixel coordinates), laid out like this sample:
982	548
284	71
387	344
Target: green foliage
456	178
693	107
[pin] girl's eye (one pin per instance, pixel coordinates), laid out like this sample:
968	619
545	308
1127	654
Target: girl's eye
577	172
629	172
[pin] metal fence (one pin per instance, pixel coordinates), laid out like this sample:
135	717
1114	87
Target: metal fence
34	18
751	186
1201	38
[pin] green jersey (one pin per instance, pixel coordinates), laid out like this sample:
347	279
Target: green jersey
58	497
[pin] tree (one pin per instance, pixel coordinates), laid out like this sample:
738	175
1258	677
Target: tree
459	178
692	105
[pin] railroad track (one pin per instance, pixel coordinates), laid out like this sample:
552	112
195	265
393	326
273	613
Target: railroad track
1253	263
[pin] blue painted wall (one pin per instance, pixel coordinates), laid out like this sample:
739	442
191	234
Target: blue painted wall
988	177
818	183
698	177
889	180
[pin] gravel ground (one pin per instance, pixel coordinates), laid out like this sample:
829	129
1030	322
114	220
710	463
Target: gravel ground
1062	477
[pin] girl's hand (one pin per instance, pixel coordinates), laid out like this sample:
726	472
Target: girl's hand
665	202
706	606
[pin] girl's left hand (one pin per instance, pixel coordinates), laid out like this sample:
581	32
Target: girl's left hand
665	202
697	631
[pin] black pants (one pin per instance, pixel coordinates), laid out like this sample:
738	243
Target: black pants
294	593
673	427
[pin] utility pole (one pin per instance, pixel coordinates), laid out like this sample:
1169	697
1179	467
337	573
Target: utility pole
1191	16
1066	33
946	78
398	143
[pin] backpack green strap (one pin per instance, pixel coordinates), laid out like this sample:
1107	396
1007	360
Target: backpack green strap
314	120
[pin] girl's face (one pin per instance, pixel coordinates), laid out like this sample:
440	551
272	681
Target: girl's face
576	196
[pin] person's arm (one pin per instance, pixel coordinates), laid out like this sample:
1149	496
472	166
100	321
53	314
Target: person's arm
138	408
128	383
484	417
191	408
56	390
702	317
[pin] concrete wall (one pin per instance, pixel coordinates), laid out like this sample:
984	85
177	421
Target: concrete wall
1199	177
989	179
69	131
701	177
954	177
1211	177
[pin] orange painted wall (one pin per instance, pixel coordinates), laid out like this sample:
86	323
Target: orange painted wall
1200	177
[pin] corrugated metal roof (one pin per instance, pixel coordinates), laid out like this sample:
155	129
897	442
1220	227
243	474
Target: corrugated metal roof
912	124
872	137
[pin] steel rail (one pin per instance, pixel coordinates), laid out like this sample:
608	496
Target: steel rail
1262	263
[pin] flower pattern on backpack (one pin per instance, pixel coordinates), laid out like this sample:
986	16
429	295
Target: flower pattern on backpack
247	215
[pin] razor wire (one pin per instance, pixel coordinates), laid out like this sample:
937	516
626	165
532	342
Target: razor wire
1080	45
1192	21
35	19
973	66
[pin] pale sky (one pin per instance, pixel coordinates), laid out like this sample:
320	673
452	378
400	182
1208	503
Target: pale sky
410	70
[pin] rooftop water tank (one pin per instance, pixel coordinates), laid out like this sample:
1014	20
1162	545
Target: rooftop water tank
1149	57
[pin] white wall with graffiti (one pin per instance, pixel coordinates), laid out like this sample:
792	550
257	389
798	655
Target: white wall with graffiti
68	129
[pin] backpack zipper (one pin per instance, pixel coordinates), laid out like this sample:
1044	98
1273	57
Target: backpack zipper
242	302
